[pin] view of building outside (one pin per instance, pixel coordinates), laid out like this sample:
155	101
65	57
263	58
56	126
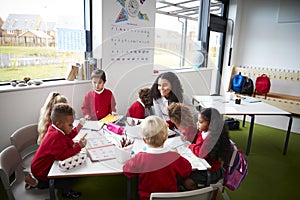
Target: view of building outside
169	41
28	38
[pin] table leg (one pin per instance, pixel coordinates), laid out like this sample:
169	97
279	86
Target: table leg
51	189
288	135
244	120
128	188
250	134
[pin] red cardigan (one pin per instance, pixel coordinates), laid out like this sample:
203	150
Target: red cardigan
157	172
55	146
196	147
136	110
97	105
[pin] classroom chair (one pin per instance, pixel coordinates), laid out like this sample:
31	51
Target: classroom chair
25	140
12	177
203	194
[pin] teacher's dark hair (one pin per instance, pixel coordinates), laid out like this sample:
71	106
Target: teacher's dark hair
176	95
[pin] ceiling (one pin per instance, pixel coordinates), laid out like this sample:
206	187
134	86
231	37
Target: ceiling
185	8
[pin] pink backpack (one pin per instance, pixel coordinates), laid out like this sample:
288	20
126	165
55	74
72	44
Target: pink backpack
262	85
235	174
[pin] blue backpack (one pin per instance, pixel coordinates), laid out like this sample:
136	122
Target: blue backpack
237	82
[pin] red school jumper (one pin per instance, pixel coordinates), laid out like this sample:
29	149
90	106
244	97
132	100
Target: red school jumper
196	147
56	145
136	110
157	172
98	106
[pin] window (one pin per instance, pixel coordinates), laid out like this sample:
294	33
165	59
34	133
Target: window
10	32
176	36
174	41
28	38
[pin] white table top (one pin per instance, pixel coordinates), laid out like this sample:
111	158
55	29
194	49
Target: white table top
108	167
228	107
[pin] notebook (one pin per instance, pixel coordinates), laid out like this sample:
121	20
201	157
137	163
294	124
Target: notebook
100	148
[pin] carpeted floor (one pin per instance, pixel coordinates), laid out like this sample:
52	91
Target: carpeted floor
271	175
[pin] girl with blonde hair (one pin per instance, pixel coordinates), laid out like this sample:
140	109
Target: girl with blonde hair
45	112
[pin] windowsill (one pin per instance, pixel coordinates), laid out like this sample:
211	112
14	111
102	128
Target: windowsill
9	88
179	70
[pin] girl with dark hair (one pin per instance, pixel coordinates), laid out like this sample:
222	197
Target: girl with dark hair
213	144
99	101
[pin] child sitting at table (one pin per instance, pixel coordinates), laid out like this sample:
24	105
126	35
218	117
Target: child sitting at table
57	145
213	144
141	108
181	118
98	102
157	168
45	112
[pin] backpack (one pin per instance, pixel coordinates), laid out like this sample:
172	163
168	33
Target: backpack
237	82
262	85
247	86
235	174
232	124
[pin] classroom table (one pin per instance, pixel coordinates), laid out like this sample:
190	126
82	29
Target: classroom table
249	106
112	166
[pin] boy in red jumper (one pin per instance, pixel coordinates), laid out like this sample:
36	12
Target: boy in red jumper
157	168
98	102
57	145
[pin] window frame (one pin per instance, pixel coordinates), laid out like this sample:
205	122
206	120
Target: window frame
207	21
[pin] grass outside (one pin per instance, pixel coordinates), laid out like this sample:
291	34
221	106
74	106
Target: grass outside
35	51
35	72
13	54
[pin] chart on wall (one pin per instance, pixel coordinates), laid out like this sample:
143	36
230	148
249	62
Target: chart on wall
131	33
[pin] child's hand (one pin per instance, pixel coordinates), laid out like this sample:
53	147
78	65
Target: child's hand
183	138
82	121
82	141
114	113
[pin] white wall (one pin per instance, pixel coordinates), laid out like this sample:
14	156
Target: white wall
265	42
260	41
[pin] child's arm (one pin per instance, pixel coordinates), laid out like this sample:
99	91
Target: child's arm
63	150
82	141
113	105
185	167
197	146
85	106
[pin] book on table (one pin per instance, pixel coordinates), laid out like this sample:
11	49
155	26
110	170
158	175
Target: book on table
110	118
100	148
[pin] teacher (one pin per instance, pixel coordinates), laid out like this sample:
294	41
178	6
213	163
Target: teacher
165	90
